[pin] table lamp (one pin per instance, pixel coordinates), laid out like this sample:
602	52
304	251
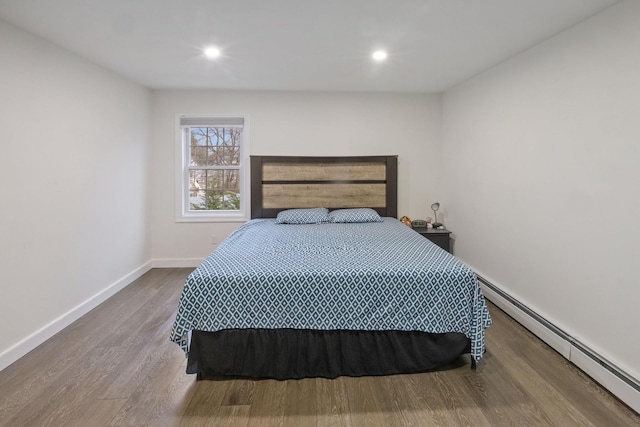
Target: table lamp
434	208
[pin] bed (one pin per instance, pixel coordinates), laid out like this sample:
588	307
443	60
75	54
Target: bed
365	295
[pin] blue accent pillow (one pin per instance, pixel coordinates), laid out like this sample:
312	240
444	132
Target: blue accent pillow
303	216
354	215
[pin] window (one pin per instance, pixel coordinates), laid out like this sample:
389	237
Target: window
212	177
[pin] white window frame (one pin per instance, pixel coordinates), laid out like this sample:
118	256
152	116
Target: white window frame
182	211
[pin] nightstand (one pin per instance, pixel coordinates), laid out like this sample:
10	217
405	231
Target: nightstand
439	237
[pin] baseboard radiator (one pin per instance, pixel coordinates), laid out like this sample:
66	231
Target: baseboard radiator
573	342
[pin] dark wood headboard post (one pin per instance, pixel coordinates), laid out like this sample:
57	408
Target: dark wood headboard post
392	182
285	182
256	187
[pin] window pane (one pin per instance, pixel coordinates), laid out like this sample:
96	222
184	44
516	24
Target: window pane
199	156
199	136
197	183
216	136
232	180
231	201
215	146
213	156
214	189
233	156
215	180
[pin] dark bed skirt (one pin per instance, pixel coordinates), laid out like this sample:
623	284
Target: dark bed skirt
294	353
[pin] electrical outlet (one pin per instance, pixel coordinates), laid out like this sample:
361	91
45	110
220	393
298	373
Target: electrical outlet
214	239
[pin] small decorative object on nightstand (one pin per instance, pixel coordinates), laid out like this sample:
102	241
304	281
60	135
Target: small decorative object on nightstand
438	236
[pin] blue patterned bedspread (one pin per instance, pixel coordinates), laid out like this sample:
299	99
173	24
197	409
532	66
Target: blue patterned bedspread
371	276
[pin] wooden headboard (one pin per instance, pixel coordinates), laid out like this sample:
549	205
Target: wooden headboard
283	182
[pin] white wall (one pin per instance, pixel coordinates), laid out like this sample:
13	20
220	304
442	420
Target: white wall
541	167
73	185
298	123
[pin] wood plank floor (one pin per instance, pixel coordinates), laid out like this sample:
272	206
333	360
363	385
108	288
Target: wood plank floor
116	367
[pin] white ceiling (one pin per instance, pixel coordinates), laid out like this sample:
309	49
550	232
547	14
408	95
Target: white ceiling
320	45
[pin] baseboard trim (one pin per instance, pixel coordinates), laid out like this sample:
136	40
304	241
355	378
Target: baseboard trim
176	262
617	381
16	351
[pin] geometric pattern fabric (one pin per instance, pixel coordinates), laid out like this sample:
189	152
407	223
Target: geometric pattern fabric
361	276
354	215
303	216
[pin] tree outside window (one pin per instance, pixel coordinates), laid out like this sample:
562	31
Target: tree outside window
214	168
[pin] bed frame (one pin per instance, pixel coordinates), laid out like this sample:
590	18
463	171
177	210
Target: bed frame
283	182
279	183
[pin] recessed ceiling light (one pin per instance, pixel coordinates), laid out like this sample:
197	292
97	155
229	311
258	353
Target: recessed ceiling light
379	55
212	52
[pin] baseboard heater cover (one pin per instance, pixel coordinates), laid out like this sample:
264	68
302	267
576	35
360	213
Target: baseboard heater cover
600	360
